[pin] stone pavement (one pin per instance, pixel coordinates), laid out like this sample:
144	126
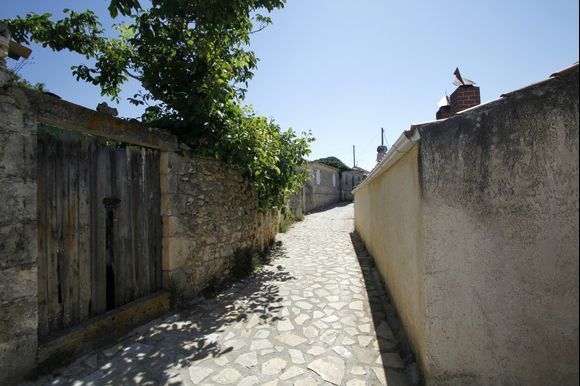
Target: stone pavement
304	319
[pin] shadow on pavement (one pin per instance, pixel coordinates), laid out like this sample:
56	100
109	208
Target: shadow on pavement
159	351
390	333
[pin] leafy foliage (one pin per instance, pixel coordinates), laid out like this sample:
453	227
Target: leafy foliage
15	79
193	63
273	159
334	162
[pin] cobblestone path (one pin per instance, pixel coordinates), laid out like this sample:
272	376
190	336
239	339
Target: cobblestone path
305	319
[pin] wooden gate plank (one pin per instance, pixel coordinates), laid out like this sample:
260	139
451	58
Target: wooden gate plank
144	205
72	240
43	229
123	274
139	220
84	222
61	263
135	166
75	175
154	219
130	258
64	257
93	223
52	237
99	257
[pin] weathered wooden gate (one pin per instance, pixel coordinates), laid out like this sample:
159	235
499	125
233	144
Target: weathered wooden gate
99	226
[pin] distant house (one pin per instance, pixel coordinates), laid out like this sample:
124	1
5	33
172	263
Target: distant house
330	181
323	188
350	179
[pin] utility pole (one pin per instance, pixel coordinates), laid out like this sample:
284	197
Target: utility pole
353	156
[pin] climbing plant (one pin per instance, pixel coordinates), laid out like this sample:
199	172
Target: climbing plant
15	79
193	62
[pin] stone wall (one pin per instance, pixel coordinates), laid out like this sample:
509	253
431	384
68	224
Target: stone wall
295	204
321	193
495	229
349	179
209	213
18	242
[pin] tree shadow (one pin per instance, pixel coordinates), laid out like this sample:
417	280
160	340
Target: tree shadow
391	335
158	352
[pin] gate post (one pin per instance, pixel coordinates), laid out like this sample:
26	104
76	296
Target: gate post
172	252
18	238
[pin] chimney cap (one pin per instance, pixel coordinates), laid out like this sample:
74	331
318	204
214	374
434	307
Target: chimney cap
444	101
460	80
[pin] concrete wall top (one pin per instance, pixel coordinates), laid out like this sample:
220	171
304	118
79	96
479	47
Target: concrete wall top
53	111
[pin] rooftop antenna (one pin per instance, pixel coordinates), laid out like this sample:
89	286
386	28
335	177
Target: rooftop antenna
381	150
353	156
384	141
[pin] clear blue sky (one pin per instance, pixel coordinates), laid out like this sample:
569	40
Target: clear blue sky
344	69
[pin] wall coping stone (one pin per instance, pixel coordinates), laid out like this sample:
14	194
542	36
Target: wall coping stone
53	111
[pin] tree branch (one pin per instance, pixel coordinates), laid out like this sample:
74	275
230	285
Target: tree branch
258	30
136	77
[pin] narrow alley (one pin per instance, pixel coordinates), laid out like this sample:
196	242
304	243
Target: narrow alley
310	317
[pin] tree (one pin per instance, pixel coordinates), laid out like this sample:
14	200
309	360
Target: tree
193	62
334	162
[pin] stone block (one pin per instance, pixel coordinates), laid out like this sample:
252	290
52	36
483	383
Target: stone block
18	318
18	244
12	117
17	359
15	116
179	204
176	251
172	226
178	276
165	204
164	162
18	200
8	100
18	156
17	282
168	183
177	164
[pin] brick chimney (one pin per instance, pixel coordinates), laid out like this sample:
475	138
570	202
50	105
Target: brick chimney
466	95
444	108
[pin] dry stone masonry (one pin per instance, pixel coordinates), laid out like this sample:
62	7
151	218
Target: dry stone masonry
209	213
